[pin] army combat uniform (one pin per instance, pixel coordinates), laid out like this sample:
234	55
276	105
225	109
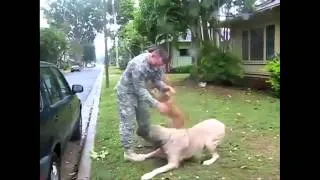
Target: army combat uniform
134	99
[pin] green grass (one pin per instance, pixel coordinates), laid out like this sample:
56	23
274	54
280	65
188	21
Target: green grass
250	149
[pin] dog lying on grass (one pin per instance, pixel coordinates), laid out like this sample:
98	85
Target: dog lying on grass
181	144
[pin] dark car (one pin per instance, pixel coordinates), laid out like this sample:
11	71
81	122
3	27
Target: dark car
60	119
75	68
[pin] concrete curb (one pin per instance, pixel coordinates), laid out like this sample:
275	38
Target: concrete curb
90	110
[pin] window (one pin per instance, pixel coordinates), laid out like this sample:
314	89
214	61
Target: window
255	41
183	52
256	44
63	85
51	88
270	35
245	45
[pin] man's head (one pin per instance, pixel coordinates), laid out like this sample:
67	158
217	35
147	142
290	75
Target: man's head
158	56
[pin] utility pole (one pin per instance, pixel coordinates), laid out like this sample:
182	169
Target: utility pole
116	37
105	30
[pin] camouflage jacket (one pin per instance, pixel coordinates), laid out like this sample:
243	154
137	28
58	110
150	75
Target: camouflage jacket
137	73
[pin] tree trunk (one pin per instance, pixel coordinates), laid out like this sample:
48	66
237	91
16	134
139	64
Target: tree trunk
106	59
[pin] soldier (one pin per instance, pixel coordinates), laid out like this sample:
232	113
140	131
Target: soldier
134	98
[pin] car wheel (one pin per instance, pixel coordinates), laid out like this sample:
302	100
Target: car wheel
77	133
55	167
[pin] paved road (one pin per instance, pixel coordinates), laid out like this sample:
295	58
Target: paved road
70	160
86	78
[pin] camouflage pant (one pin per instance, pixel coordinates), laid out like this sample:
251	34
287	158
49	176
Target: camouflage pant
131	108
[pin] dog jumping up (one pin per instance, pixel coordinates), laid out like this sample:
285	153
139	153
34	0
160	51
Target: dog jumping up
175	115
181	144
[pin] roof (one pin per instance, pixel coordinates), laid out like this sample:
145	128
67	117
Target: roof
260	9
268	4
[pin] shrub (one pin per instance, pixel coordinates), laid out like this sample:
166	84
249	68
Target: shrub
123	62
274	68
181	69
217	66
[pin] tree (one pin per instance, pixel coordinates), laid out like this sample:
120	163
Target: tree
53	44
79	19
89	53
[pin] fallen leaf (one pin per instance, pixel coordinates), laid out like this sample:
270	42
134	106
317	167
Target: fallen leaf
239	114
242	167
229	96
249	158
223	178
197	177
270	158
259	160
170	174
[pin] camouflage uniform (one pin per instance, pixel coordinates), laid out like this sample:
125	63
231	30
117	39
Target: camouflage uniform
134	98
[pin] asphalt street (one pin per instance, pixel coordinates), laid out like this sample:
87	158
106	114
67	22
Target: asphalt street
86	77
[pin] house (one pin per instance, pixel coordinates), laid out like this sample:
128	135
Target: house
255	37
179	52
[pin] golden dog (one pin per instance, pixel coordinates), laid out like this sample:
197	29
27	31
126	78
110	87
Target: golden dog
180	144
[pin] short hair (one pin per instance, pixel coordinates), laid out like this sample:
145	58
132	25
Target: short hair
161	51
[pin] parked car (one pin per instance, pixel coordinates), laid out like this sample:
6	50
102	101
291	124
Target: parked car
60	119
75	68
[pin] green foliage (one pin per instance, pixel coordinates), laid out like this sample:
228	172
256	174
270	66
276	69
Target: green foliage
182	69
89	53
217	66
53	44
79	19
123	62
273	67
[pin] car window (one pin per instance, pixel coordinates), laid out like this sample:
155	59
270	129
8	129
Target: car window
63	84
51	85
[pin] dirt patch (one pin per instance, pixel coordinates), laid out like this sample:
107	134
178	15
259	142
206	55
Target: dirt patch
70	161
266	146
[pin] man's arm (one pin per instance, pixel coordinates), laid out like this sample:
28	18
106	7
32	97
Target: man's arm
138	82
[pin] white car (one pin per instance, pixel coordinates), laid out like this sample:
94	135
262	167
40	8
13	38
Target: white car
75	68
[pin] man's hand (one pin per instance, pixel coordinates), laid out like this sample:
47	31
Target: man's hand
163	108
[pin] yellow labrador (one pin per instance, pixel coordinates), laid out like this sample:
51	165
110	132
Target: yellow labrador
180	144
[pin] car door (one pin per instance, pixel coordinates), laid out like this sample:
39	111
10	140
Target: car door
58	106
70	99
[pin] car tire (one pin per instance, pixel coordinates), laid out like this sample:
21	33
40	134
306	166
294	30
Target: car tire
55	168
77	133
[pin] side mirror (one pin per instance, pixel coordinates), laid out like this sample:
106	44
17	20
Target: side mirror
77	88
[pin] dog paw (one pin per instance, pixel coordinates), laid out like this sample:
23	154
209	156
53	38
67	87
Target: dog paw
207	163
147	176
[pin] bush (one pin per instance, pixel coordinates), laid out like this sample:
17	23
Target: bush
274	68
217	66
181	69
123	62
